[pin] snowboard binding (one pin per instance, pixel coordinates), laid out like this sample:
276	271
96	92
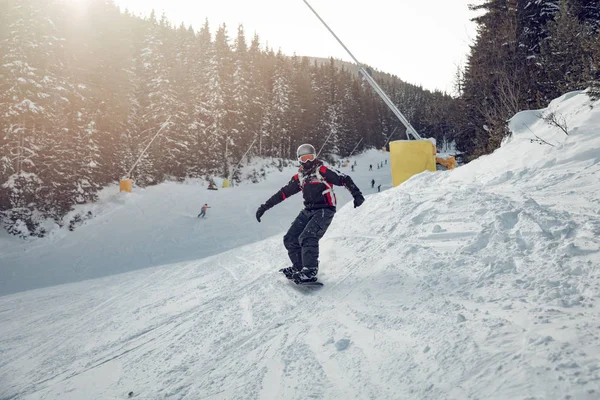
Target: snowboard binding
302	277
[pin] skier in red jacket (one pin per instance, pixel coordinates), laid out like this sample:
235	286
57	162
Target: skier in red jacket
316	182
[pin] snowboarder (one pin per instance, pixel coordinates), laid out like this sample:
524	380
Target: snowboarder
315	181
203	212
372	183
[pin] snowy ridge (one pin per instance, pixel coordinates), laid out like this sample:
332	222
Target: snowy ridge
481	282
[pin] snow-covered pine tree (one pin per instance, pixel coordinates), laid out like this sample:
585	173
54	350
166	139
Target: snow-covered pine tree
594	83
172	144
179	141
564	54
219	143
322	96
333	112
157	99
101	51
587	12
197	160
29	94
350	112
280	110
295	99
493	64
256	93
266	68
241	134
532	18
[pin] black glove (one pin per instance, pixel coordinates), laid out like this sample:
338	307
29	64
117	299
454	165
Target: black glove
261	210
358	200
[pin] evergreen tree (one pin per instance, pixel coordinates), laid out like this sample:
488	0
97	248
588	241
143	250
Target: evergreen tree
82	101
256	93
587	12
278	137
199	162
564	54
241	133
29	98
492	88
219	104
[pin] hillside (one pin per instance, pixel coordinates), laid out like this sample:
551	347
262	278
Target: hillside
481	282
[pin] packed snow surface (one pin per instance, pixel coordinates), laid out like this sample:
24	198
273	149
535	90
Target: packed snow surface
477	283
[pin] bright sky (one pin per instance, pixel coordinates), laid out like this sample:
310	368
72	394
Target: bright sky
421	42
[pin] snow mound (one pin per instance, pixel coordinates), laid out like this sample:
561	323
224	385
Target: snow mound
480	282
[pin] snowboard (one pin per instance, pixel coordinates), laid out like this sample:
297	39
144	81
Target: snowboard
313	284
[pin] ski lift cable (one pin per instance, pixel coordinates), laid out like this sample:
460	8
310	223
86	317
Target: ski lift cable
409	128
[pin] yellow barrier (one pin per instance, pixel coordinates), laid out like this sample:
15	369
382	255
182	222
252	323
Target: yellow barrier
125	185
226	183
410	157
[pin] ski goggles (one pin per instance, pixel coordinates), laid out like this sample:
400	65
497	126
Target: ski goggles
306	158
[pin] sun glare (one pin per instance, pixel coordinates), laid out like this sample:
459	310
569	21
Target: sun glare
79	7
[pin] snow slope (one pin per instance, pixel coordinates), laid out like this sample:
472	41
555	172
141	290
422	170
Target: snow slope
477	283
159	225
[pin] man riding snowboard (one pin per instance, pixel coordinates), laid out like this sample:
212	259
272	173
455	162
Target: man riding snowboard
316	182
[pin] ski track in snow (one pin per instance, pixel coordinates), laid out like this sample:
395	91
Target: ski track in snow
480	283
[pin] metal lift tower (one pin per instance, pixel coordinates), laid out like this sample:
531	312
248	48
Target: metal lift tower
410	131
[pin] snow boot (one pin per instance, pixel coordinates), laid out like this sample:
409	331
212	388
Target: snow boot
289	271
306	275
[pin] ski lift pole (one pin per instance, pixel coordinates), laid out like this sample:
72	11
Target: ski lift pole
241	159
144	152
352	152
409	128
326	140
389	137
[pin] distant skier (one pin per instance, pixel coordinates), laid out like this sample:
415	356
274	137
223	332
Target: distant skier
379	188
352	168
370	167
203	212
372	183
315	181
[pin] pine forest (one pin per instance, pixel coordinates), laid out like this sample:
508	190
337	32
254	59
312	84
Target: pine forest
81	98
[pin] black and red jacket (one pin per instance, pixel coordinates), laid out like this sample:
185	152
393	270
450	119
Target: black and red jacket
316	186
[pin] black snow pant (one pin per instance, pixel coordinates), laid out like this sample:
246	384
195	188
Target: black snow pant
302	239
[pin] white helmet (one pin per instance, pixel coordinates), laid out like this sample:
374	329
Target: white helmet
305	149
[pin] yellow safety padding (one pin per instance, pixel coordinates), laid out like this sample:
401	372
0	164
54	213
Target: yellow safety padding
125	185
410	157
449	162
226	183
